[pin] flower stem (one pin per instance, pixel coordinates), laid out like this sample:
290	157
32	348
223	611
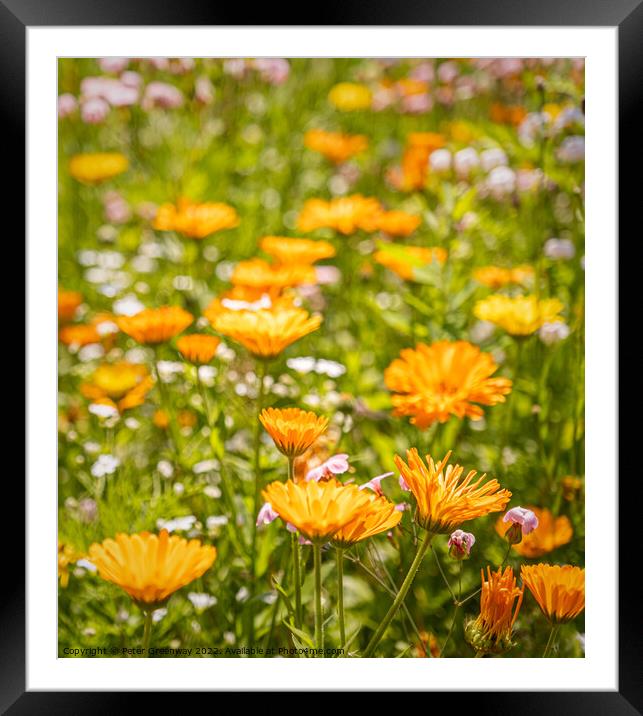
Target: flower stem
550	641
319	631
455	612
165	404
423	545
296	557
339	555
147	631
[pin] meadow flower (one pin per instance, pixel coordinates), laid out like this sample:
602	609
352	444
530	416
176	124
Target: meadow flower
274	70
497	276
559	590
379	516
98	167
68	303
398	223
198	348
404	260
201	600
121	384
522	521
443	497
500	182
431	383
195	220
559	249
67	105
460	544
105	465
266	515
260	275
150	567
519	315
466	161
113	64
156	325
440	161
550	533
79	334
334	465
551	333
335	146
507	114
375	484
94	110
318	510
296	251
349	96
292	430
346	215
161	94
266	332
414	167
500	602
492	158
571	150
66	555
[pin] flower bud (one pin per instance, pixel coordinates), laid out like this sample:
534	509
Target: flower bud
460	544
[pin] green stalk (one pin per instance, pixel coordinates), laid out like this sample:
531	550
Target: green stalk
423	545
319	630
550	641
339	556
147	631
165	404
294	543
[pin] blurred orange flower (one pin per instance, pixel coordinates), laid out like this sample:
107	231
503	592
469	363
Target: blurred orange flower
398	223
123	385
497	277
257	273
296	251
345	215
195	220
198	347
68	302
156	325
403	260
79	334
335	146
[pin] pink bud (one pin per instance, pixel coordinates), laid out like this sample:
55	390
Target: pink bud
335	465
523	517
266	515
161	94
460	544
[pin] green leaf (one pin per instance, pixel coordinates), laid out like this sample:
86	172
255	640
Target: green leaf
305	638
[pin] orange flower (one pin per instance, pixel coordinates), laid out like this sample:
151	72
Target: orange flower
497	277
446	378
68	302
403	260
500	603
198	347
299	252
317	509
559	591
507	114
552	532
379	516
79	334
266	332
155	325
415	160
398	223
293	430
98	167
444	499
345	215
149	567
123	385
335	146
257	273
195	220
161	419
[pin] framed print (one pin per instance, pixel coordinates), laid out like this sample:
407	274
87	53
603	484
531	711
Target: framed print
333	368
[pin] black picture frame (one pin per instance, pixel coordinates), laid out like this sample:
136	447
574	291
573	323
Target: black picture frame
627	15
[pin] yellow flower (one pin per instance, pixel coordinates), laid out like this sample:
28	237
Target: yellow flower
497	277
66	556
431	383
348	96
299	252
198	347
156	325
444	498
346	215
552	532
402	260
335	146
195	220
149	567
123	384
398	223
266	332
379	516
292	429
96	168
520	315
68	302
257	273
559	591
500	602
317	509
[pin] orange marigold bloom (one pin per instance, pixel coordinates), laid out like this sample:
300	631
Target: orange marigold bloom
68	302
349	96
497	277
415	160
559	591
446	378
123	385
300	252
379	516
257	273
293	430
79	334
398	223
156	325
500	602
98	167
195	220
335	146
552	532
198	347
317	509
518	315
161	419
149	567
444	498
507	114
248	298
346	214
266	332
402	260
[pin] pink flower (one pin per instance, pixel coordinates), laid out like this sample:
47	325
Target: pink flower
460	544
94	110
335	465
235	67
403	484
523	517
266	515
131	79
67	104
117	210
161	94
117	93
204	90
113	64
273	69
375	483
327	274
417	103
402	506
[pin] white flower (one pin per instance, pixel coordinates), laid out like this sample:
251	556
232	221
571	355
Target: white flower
242	594
165	467
501	181
559	249
105	465
168	369
205	466
481	330
178	488
207	374
492	158
440	161
572	150
158	614
329	368
132	423
86	564
304	364
465	161
554	332
201	600
215	521
178	524
127	306
91	352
